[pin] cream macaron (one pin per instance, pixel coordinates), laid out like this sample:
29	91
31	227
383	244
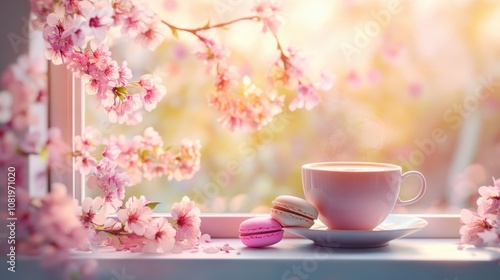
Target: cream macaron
291	211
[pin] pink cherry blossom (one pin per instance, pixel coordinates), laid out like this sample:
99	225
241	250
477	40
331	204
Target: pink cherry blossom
93	86
153	170
98	16
85	163
30	72
490	198
123	111
290	68
307	97
135	215
189	159
110	180
25	84
77	32
71	6
186	221
150	140
128	158
160	234
268	11
87	142
210	52
474	224
40	10
102	75
121	8
94	211
110	73
226	78
130	16
124	74
59	42
111	151
295	67
251	111
78	63
153	91
99	57
491	238
151	32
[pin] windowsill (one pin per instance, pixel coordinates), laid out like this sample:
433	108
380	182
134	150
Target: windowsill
405	258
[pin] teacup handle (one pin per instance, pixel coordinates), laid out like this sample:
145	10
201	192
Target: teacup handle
423	185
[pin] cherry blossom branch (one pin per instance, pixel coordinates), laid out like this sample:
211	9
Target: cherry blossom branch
112	164
194	31
208	26
242	111
76	38
136	230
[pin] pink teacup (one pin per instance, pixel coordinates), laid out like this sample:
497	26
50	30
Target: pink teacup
355	195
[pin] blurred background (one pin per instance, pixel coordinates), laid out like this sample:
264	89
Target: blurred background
417	83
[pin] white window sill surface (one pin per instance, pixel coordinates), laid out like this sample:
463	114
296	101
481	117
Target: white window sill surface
407	258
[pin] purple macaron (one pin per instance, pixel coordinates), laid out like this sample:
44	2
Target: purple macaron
260	232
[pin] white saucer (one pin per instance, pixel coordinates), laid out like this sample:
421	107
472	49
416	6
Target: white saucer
393	227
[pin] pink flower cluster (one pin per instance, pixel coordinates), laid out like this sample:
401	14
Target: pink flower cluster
24	89
145	155
249	110
54	225
289	69
247	106
84	21
110	180
75	34
49	226
24	83
268	12
14	146
137	230
482	228
125	162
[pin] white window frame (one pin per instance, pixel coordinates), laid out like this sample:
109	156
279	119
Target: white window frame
67	111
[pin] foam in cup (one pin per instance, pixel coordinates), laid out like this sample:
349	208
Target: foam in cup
353	168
